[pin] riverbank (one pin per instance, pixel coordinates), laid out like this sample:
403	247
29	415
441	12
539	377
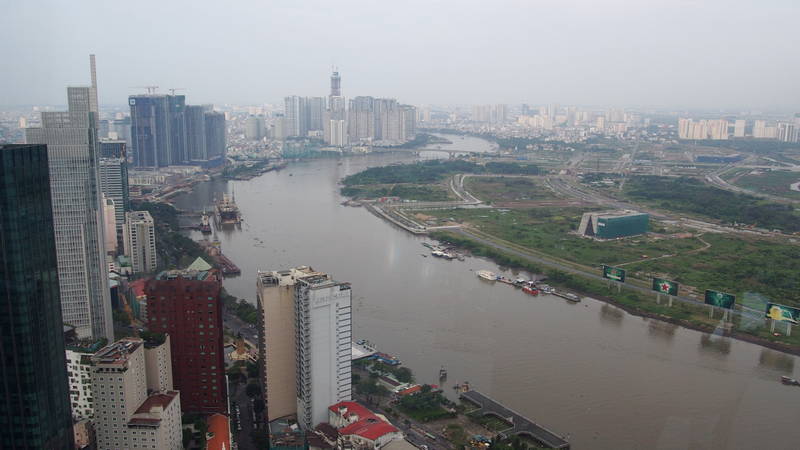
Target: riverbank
691	316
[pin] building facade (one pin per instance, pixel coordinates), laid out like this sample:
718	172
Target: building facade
73	150
33	374
127	414
114	185
187	305
140	241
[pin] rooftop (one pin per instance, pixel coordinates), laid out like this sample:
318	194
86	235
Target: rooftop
149	413
367	424
117	353
218	430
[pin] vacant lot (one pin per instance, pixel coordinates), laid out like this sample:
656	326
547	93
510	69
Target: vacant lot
509	189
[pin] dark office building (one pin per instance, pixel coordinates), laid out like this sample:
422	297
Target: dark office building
215	137
113	148
34	391
196	133
158	131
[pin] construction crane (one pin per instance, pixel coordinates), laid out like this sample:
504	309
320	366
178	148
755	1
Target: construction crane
172	90
151	90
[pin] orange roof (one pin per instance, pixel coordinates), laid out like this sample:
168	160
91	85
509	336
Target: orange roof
138	286
218	428
367	424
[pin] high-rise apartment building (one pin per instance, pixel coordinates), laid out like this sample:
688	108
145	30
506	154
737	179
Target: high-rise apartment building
216	137
305	332
739	127
759	129
125	416
296	116
140	241
254	128
186	304
79	369
33	373
315	111
361	119
73	151
150	130
196	133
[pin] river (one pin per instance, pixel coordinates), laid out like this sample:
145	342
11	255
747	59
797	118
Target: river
604	378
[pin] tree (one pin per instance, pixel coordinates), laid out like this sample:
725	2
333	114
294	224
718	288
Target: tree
252	390
404	375
258	405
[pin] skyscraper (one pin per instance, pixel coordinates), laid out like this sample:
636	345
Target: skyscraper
738	128
158	130
186	304
140	241
196	133
216	137
336	84
305	331
114	185
315	110
73	150
33	374
296	116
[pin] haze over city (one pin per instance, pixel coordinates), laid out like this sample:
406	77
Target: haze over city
680	54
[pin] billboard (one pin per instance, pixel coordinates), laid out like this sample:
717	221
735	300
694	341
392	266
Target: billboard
782	313
663	286
720	299
613	273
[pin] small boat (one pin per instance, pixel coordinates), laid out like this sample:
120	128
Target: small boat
530	290
789	381
487	275
442	373
572	297
205	225
424	255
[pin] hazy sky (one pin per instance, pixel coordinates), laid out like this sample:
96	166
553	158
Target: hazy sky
682	53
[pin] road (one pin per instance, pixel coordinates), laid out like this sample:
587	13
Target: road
243	416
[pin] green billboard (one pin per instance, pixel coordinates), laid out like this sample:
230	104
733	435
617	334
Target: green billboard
720	299
663	286
613	273
782	313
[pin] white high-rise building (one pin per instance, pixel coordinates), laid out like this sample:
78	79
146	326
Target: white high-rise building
738	128
73	150
140	241
79	371
318	356
125	416
119	385
110	224
759	129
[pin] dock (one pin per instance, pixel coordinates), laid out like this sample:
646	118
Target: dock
521	425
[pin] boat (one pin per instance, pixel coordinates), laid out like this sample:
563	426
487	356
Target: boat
789	381
442	254
205	226
442	373
227	212
386	359
487	275
530	290
572	297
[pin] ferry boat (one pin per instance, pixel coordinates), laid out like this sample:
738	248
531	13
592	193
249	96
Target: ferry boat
205	226
487	275
530	290
572	297
227	212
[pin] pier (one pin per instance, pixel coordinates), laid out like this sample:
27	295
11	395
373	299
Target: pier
521	425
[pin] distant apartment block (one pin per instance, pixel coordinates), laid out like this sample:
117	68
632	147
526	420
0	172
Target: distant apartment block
140	241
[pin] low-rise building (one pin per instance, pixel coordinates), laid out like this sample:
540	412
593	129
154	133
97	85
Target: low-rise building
361	428
614	224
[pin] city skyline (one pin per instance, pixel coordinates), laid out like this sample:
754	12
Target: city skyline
610	53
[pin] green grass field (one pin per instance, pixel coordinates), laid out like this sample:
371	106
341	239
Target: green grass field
427	193
732	263
774	182
509	189
548	230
